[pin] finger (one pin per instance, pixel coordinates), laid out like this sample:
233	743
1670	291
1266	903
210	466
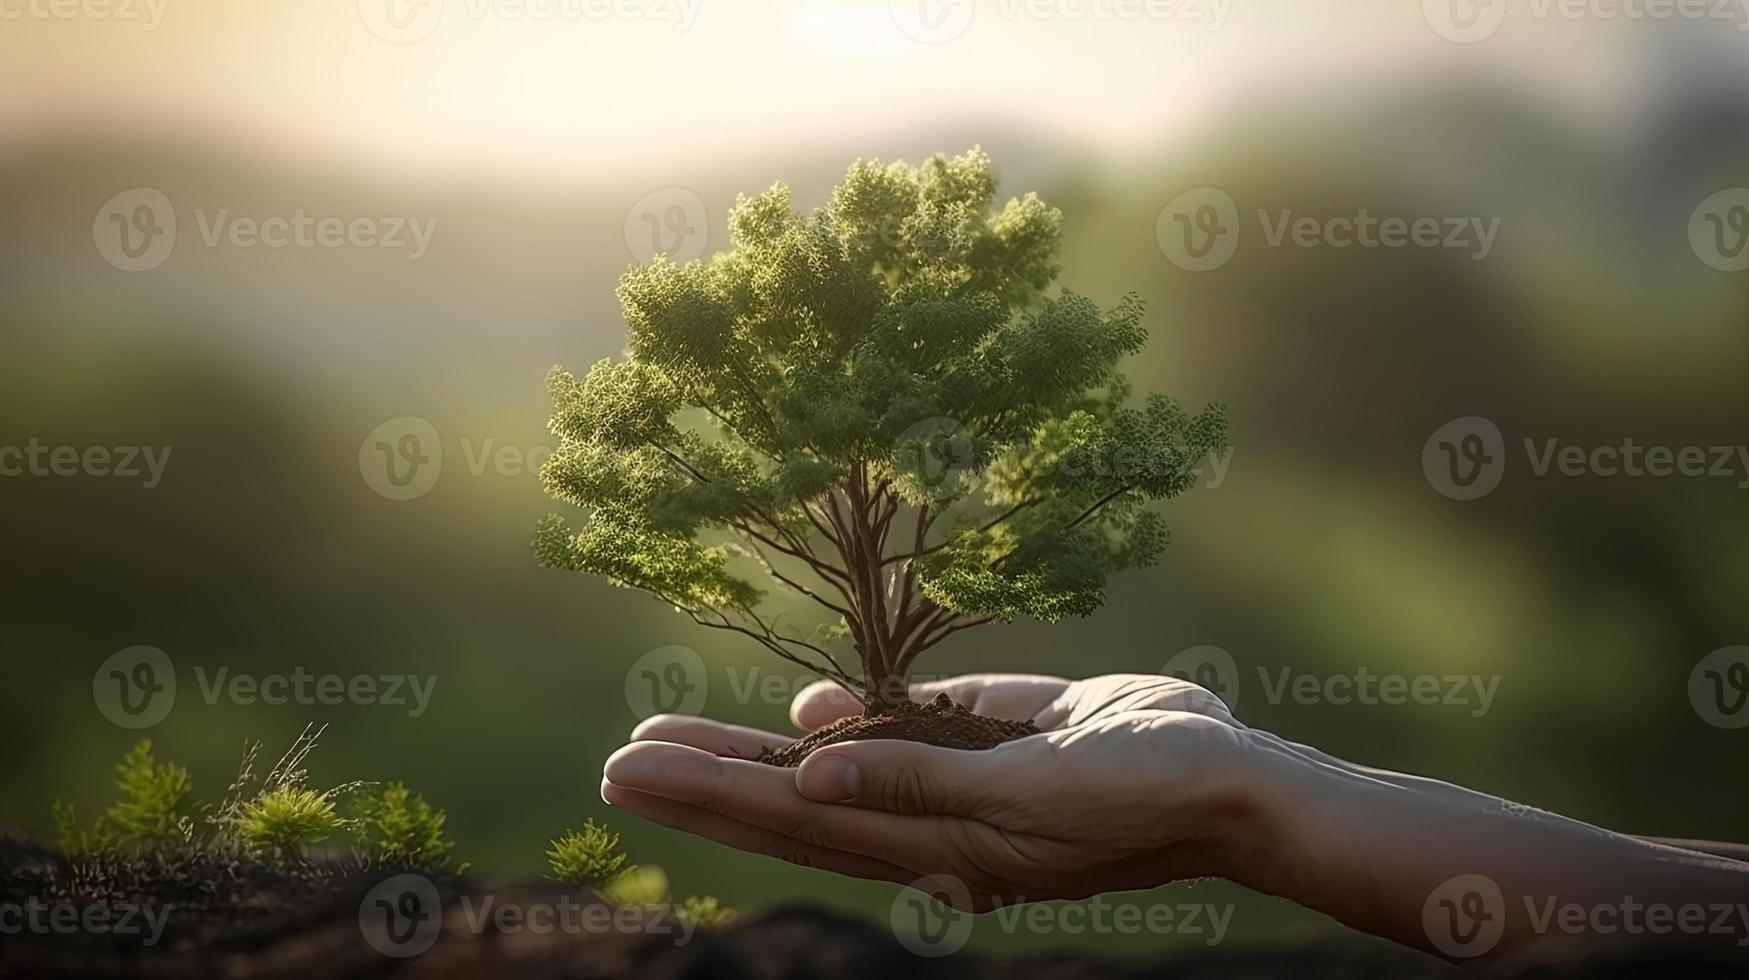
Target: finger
727	830
1011	697
715	737
1112	694
767	797
904	777
822	703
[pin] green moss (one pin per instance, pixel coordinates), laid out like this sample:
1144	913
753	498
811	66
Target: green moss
396	826
704	910
284	821
589	857
151	810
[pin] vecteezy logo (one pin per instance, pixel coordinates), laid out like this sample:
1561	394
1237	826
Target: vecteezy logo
939	456
1464	21
1199	230
1719	230
1209	667
932	21
401	21
1718	687
401	916
135	687
667	680
926	919
1465	458
135	231
1465	916
401	458
669	222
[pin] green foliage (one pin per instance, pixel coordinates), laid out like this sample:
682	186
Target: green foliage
705	911
396	826
278	821
154	799
899	349
68	835
639	885
589	857
284	821
151	811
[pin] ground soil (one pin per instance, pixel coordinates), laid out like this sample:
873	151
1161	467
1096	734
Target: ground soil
938	722
239	920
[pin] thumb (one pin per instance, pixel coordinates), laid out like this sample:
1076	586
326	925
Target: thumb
906	777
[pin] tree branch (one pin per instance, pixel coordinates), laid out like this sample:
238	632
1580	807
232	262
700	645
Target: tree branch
919	551
1094	507
771	569
927	641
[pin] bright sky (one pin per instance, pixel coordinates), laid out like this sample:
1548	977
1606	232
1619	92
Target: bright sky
519	84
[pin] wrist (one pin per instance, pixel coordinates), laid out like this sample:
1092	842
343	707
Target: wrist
1273	835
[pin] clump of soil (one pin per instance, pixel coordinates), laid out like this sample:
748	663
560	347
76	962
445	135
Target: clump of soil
939	722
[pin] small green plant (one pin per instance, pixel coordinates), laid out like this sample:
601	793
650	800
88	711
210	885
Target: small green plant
396	826
284	821
72	839
639	885
285	816
277	818
704	910
151	812
589	857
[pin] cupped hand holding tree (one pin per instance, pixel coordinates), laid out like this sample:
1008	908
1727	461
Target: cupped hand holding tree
880	407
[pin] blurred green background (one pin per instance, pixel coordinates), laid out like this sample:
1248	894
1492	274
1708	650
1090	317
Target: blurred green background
1324	548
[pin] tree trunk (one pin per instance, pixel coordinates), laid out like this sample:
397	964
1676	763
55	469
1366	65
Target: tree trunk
887	693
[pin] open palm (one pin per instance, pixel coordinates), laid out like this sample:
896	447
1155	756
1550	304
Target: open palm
1134	780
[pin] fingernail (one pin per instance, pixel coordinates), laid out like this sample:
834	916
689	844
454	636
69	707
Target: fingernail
828	778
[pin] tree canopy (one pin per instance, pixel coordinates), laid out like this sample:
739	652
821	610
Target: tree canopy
881	405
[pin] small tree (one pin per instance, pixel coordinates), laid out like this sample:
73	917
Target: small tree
883	407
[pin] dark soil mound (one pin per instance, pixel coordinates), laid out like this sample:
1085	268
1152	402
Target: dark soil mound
250	921
940	722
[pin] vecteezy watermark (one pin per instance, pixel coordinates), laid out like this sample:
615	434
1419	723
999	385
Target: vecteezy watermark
143	463
941	21
667	680
1718	230
670	221
407	21
1213	668
300	230
402	458
147	13
1466	916
1199	230
928	920
1464	459
403	916
1469	21
674	680
939	457
135	230
41	917
1718	687
136	688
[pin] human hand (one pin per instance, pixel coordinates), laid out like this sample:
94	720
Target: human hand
1135	780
